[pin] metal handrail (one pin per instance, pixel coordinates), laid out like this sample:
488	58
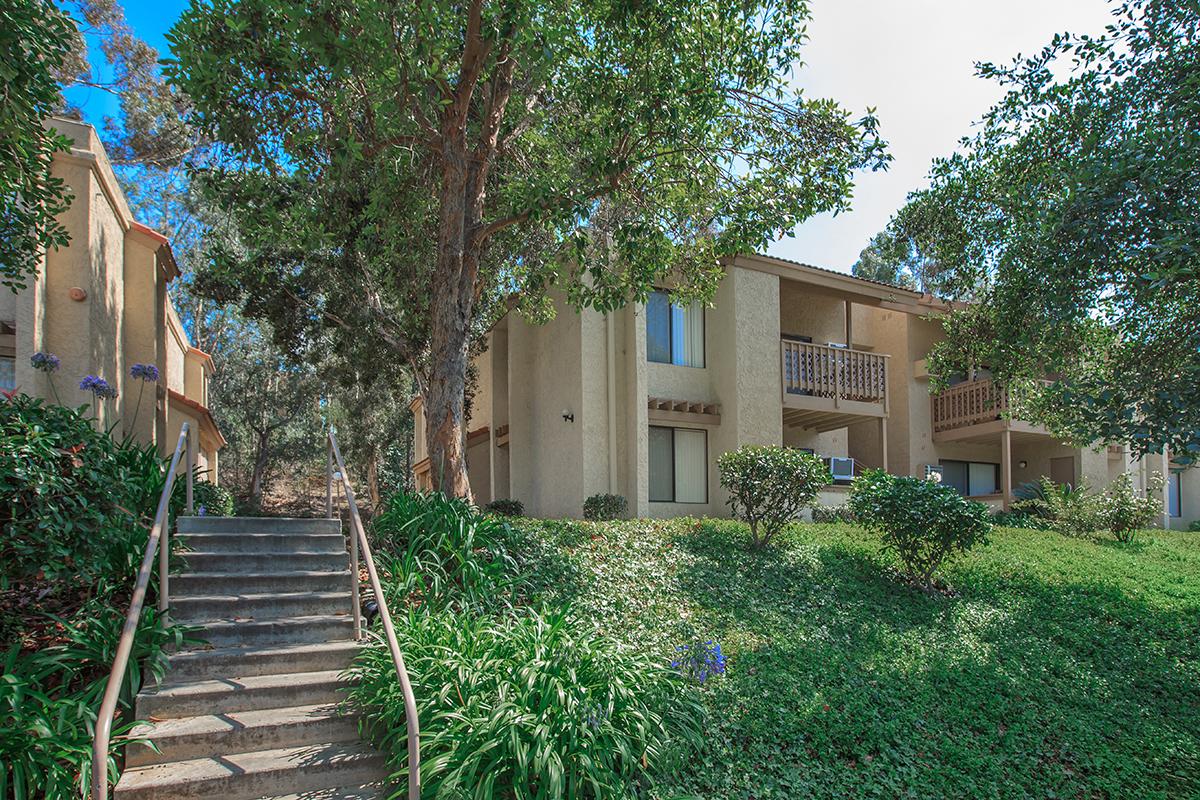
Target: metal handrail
112	690
358	539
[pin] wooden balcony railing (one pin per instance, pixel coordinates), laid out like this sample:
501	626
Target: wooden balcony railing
840	373
967	404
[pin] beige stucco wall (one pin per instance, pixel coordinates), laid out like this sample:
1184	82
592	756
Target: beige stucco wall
119	321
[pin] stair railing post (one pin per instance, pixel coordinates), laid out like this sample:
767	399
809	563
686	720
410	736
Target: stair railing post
191	467
328	479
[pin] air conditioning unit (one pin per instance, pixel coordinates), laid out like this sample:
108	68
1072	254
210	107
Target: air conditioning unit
842	469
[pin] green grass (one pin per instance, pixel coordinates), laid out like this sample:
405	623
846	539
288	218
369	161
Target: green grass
1062	668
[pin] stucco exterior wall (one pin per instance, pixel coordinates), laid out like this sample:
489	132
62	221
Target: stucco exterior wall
545	454
98	305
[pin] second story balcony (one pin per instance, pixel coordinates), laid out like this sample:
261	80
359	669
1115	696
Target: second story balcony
825	388
975	410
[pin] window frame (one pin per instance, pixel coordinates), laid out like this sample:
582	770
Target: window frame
674	474
671	305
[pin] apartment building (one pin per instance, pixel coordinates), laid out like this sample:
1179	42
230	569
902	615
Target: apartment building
101	305
640	402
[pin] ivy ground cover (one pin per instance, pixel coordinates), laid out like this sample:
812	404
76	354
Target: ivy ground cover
1059	668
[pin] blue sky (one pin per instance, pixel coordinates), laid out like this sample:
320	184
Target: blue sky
913	60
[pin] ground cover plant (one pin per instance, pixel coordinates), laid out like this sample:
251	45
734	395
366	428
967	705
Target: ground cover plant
1062	668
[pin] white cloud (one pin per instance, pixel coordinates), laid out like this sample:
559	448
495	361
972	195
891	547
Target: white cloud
913	60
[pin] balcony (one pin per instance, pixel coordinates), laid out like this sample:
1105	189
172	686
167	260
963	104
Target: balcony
825	388
975	411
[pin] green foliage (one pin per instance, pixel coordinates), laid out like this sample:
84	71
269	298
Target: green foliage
768	486
35	39
1195	526
1122	510
405	172
1070	510
923	522
1018	519
827	514
839	685
75	507
1065	215
506	507
72	500
605	507
441	550
208	499
535	705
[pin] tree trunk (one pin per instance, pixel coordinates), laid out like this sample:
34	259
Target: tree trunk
373	480
260	469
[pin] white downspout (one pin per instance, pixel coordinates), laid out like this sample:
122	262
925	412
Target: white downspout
610	326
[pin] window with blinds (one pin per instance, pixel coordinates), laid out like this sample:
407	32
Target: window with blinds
8	373
674	332
678	465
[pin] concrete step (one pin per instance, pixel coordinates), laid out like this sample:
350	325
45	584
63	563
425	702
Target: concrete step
279	561
290	525
239	732
228	695
207	583
274	632
264	542
265	773
374	791
192	665
190	609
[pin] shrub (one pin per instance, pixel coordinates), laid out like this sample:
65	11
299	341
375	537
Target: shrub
924	523
602	507
768	486
1122	510
832	514
1071	511
208	499
506	508
1017	519
69	493
1195	526
534	705
442	551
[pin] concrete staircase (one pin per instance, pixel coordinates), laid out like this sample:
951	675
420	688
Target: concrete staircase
254	714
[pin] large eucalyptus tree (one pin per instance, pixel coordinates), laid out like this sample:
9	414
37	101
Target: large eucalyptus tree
402	170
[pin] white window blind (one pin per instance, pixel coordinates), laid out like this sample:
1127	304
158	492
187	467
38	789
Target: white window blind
691	483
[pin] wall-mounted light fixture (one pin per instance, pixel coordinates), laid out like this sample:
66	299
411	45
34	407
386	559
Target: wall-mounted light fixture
568	416
1022	464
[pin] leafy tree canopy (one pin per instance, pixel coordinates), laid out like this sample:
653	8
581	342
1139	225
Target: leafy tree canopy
399	171
1072	216
35	40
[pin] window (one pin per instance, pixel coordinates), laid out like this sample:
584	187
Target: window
971	478
678	465
1175	494
674	333
8	372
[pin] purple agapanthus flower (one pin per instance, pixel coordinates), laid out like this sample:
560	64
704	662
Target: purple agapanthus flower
700	661
44	362
99	387
145	372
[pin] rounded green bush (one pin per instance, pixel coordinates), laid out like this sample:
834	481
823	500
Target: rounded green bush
601	507
769	485
506	507
923	522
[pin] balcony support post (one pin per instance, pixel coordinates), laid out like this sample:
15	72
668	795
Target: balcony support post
1006	467
883	442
